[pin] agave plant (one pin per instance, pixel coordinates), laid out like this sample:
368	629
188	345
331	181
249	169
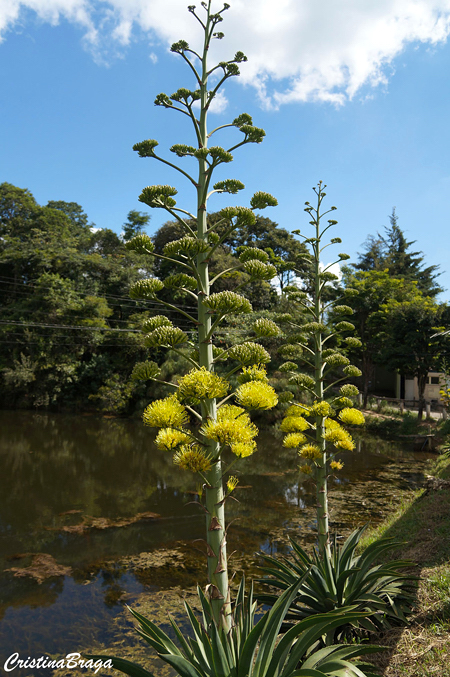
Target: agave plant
346	579
252	647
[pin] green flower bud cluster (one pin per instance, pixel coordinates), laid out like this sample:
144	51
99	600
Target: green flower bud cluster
284	318
255	372
265	328
183	94
252	134
145	371
348	390
244	216
302	380
186	245
328	277
146	289
353	342
259	270
344	326
219	154
344	257
180	46
290	352
285	397
180	281
145	148
337	360
227	302
262	200
163	100
249	353
288	366
335	240
141	244
165	336
343	310
297	338
351	371
229	186
181	149
242	119
341	402
158	196
314	326
252	254
152	323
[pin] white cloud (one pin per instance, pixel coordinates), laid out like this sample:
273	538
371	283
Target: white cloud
299	50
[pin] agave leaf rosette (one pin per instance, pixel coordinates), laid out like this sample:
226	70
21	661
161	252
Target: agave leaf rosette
351	578
252	647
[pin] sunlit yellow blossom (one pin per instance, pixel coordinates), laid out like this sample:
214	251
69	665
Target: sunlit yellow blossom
230	431
352	416
192	458
320	409
201	384
339	437
298	410
168	439
255	372
306	469
166	413
294	424
294	440
230	411
256	395
310	451
243	449
336	465
232	483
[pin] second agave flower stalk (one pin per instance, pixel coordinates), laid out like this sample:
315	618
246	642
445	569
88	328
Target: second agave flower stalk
317	429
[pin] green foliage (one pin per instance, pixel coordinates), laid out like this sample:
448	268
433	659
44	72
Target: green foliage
250	648
391	253
346	579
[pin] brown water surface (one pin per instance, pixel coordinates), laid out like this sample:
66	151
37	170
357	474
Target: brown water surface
92	515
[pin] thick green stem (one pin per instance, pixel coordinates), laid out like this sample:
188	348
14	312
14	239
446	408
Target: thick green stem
215	518
321	471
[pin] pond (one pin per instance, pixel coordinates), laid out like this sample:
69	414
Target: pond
92	515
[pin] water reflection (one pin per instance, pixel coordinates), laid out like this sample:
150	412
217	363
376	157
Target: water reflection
95	495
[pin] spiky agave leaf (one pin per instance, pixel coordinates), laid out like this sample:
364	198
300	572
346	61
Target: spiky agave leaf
252	648
379	590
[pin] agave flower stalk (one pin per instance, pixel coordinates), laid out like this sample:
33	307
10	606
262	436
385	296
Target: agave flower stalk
198	393
319	438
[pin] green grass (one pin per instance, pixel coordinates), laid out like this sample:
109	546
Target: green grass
422	522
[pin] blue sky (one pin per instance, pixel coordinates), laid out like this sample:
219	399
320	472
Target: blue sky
358	98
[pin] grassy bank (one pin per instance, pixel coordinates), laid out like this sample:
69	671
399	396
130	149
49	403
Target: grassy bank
422	522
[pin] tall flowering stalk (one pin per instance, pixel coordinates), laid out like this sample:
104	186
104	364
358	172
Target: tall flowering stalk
317	431
202	393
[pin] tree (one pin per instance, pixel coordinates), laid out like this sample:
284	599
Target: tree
409	343
390	252
365	292
135	224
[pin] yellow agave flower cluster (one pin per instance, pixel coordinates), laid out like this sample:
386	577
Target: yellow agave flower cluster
295	424
232	428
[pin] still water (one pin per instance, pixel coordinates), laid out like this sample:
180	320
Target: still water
93	516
